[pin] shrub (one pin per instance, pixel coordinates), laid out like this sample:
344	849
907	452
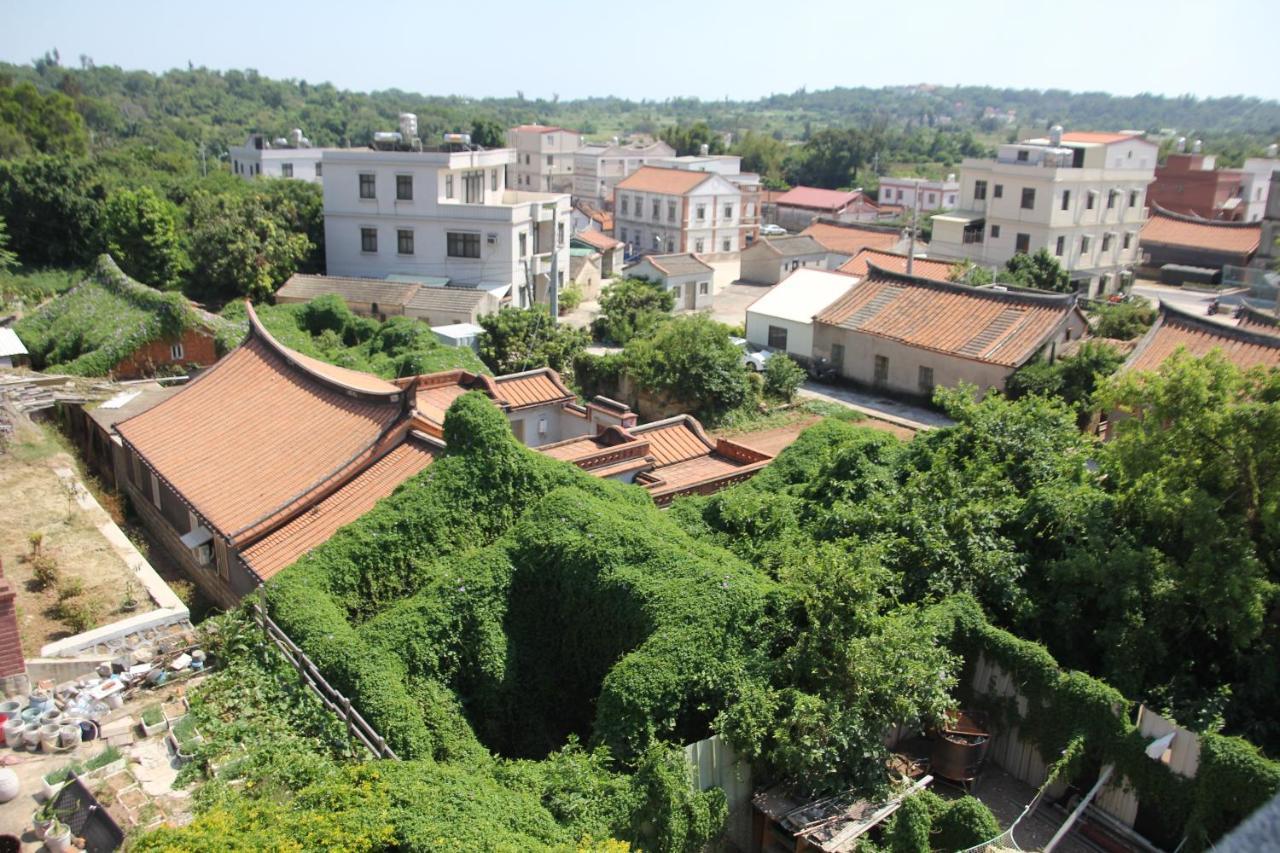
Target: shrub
45	570
1123	320
327	313
962	824
690	360
70	588
570	298
782	376
632	308
78	614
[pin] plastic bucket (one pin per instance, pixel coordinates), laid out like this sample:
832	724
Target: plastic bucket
9	709
13	732
30	714
52	716
49	737
69	735
31	736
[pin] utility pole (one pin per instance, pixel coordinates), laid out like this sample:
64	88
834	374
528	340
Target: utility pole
553	291
915	215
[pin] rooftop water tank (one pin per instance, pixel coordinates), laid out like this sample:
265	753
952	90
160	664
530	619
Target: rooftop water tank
1055	135
408	126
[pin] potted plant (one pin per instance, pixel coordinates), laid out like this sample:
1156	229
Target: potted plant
130	601
105	763
52	781
42	820
153	721
57	837
175	710
185	738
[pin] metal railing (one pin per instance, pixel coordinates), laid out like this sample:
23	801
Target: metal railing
333	699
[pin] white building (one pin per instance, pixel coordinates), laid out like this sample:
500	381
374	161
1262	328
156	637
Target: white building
280	158
934	195
782	319
544	157
668	211
687	275
1257	184
431	214
1081	196
598	167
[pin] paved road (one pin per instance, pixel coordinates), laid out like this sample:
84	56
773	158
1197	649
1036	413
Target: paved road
877	406
1186	300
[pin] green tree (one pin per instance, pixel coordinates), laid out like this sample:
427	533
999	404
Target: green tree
1123	321
299	208
1040	270
36	122
782	377
967	272
689	139
488	133
1073	378
690	360
140	230
517	339
52	206
8	259
239	248
630	308
763	155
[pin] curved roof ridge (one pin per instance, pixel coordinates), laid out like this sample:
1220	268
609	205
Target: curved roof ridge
1200	220
340	378
1021	294
1240	333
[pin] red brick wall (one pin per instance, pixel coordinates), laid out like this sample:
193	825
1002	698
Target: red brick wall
198	348
11	659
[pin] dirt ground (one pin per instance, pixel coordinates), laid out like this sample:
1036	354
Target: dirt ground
33	499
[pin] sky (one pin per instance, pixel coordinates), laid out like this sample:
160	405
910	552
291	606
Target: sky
667	48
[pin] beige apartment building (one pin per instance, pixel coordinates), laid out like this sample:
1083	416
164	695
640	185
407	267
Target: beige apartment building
1081	196
598	167
673	211
544	158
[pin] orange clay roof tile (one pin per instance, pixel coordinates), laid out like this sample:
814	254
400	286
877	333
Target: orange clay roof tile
654	179
849	239
1175	230
531	388
894	262
284	546
997	327
1175	330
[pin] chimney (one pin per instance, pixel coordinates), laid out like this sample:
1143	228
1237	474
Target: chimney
13	665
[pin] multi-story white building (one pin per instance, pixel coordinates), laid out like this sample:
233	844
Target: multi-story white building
544	158
1257	184
597	167
934	195
448	213
280	158
1081	196
674	211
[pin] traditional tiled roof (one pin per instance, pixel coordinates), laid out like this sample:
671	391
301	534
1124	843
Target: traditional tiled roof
1175	329
1256	320
655	179
681	264
894	262
688	462
993	326
530	388
283	546
1099	137
541	128
848	239
1173	229
258	433
603	218
597	240
675	439
817	199
460	300
352	289
798	244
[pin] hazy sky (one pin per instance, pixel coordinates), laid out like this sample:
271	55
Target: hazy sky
665	48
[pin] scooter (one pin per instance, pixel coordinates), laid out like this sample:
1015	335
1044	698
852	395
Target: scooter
822	370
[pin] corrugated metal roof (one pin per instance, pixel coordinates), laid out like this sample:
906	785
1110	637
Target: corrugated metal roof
997	327
10	345
312	528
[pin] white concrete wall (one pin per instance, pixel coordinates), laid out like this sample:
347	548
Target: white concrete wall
799	334
270	162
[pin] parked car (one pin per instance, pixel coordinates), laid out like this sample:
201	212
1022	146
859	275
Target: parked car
753	357
772	230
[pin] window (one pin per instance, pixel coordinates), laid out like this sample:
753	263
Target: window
1061	246
623	235
657	210
463	244
837	356
926	381
1084	245
726	246
1133	197
1111	199
1022	243
473	188
702	212
1023	156
368	189
1090	200
997	191
559	233
728	211
404	241
624	204
493	180
671	211
704	287
979	190
933	199
995	231
368	239
1128	239
1028	198
448	186
404	187
319	170
524	244
176	352
882	369
286	170
751	209
795	265
697	246
1066	199
1106	242
777	337
548	159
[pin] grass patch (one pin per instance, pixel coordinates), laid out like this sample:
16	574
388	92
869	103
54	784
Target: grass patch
152	715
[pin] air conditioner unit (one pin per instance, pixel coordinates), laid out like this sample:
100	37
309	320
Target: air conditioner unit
493	238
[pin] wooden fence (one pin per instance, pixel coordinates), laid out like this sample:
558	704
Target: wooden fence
337	703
